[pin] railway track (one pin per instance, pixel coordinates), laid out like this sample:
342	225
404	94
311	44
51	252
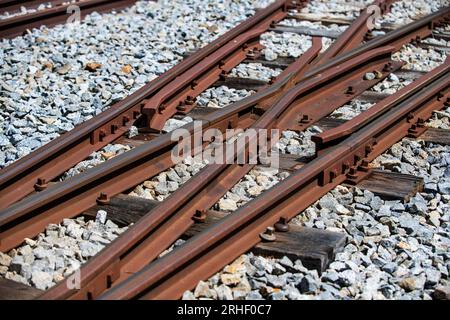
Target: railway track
58	12
308	90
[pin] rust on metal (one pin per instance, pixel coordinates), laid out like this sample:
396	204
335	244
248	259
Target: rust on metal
59	155
18	179
360	120
220	179
307	91
207	252
18	25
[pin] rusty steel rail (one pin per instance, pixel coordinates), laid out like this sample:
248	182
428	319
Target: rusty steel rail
109	276
18	25
28	217
339	133
50	202
59	155
179	96
94	275
115	263
204	254
355	33
413	31
163	225
20	178
13	6
43	213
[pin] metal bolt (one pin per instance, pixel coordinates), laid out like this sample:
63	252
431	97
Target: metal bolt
364	166
272	80
282	225
447	102
251	55
223	75
103	199
41	184
333	174
199	216
182	107
161	108
350	90
387	67
189	100
420	123
305	119
268	235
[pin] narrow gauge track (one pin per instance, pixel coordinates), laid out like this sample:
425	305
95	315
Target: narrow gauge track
14	6
35	170
151	235
24	219
376	58
204	254
170	93
58	13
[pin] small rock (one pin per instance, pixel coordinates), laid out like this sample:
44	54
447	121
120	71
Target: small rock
188	295
41	280
444	186
307	285
390	267
230	279
16	264
224	292
286	262
340	209
270	55
5	260
278	295
25	250
203	290
442	293
75	231
412	283
227	205
393	77
64	69
126	69
254	295
433	277
101	216
347	278
434	217
92	66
